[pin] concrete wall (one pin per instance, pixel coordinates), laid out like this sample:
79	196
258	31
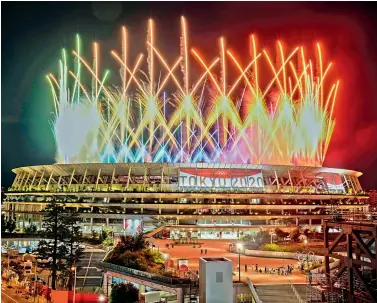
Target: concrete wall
275	254
216	281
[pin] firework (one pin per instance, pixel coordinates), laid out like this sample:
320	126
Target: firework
214	116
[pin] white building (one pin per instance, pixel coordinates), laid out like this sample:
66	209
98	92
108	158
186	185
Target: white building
216	280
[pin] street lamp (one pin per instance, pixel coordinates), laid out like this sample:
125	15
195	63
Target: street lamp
239	247
73	268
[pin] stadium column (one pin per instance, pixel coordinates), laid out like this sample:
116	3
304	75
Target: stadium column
49	180
41	179
128	180
296	221
23	219
359	188
180	297
277	180
162	178
32	181
27	180
22	180
60	179
70	180
84	178
91	225
112	178
290	180
98	177
15	181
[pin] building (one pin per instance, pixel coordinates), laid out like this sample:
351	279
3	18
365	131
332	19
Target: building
217	283
188	200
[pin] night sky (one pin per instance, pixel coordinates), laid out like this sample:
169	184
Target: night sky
33	35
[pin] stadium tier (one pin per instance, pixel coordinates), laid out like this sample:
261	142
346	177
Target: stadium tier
210	200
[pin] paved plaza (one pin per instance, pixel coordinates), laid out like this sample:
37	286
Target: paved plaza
220	248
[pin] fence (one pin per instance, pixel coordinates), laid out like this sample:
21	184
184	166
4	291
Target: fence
142	274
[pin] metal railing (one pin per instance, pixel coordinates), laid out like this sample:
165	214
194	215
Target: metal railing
296	292
174	282
253	291
174	188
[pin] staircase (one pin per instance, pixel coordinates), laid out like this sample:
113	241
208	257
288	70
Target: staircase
308	293
87	275
277	293
154	231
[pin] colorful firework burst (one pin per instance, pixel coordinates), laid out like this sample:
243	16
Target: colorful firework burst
285	120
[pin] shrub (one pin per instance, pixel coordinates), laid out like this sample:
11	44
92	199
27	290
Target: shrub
124	293
280	233
131	252
277	247
295	233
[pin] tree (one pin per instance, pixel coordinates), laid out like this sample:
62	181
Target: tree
281	234
73	239
131	243
7	225
61	237
295	234
124	293
31	229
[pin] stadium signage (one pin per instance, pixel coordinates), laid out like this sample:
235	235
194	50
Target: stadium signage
220	178
333	181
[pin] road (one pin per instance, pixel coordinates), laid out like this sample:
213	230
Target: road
9	296
220	248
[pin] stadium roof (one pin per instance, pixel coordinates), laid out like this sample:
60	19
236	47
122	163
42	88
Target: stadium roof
155	169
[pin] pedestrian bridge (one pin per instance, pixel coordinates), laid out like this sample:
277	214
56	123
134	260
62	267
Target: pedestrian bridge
180	287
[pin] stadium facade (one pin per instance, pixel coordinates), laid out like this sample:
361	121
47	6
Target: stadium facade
202	200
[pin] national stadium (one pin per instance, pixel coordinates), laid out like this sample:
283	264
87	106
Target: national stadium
211	149
190	200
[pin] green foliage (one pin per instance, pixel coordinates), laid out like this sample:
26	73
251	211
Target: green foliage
61	238
107	237
277	247
131	243
7	225
31	229
132	252
108	241
124	293
105	233
94	239
157	257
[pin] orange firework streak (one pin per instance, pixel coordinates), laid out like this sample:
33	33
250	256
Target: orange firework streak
288	120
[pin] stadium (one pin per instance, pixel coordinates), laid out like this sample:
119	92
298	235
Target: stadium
208	201
219	151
